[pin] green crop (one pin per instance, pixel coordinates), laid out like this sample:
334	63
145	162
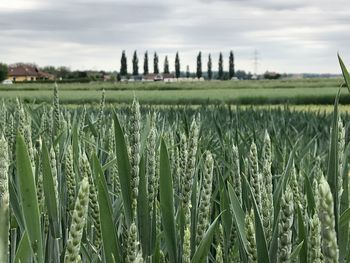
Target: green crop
173	184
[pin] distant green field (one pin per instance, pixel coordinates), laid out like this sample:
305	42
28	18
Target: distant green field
304	91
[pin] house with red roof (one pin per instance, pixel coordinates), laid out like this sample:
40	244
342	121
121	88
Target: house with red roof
27	72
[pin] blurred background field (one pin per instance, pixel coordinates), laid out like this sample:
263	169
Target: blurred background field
292	92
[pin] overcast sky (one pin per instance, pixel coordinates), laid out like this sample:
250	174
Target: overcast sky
289	35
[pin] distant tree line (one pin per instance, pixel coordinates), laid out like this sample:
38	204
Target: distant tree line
209	74
209	71
65	74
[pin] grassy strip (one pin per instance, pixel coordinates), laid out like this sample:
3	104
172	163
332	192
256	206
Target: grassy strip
185	97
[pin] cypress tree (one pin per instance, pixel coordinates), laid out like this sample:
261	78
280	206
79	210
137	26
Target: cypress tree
177	65
187	71
155	64
210	72
135	64
221	67
231	66
199	65
166	65
123	65
145	64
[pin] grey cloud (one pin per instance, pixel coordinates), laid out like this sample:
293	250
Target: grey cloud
77	16
290	35
265	4
107	23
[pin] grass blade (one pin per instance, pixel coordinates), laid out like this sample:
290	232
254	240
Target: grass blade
302	239
204	246
15	205
238	216
124	168
345	72
143	211
167	203
344	218
333	162
263	253
109	234
309	194
28	197
283	181
49	192
226	218
23	253
296	252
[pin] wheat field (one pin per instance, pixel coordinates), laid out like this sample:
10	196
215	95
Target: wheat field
149	184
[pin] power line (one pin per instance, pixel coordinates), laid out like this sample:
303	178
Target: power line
256	62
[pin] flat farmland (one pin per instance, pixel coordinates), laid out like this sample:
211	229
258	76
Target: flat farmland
304	91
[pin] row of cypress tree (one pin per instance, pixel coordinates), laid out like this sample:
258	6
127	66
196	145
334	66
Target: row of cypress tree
199	72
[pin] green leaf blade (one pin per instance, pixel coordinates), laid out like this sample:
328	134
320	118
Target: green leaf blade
124	169
204	246
28	197
108	230
49	192
167	203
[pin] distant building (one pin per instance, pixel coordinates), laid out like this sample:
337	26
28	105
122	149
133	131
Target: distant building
158	77
148	77
168	77
135	78
26	72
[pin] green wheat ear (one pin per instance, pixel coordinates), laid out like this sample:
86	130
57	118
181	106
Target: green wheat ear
236	173
133	252
219	256
93	202
204	203
151	167
4	201
314	240
79	219
192	147
135	151
70	177
254	174
4	166
56	111
285	226
251	241
326	214
186	254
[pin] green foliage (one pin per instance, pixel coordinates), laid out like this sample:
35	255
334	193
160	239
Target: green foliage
177	65
29	201
167	202
135	64
221	67
209	65
199	65
145	64
155	63
155	184
166	65
3	72
231	66
123	65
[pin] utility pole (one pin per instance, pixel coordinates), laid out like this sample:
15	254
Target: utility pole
256	64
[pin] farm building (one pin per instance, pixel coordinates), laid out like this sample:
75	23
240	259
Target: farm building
158	77
26	72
